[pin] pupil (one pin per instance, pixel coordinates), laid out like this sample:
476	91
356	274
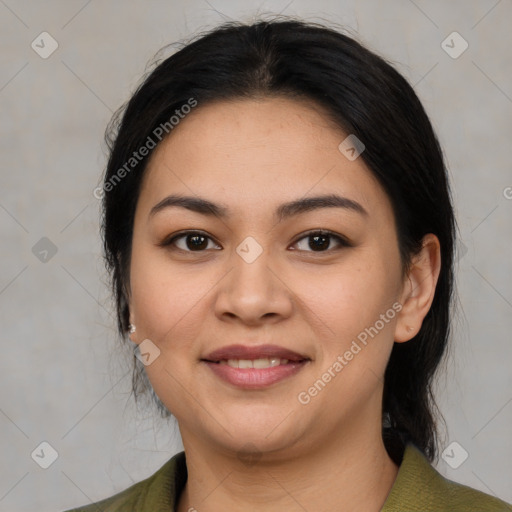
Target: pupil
196	243
317	238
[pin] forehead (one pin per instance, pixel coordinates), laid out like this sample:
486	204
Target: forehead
258	153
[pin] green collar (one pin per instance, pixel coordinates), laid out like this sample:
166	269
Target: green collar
417	488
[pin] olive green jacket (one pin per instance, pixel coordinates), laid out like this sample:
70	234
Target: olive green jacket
417	488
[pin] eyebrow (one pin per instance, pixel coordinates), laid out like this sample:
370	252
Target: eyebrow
284	211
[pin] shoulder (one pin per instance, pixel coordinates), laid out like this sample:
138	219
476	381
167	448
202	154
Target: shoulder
420	487
155	493
128	500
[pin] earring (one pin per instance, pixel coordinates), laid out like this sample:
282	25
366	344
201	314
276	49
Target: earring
131	328
409	328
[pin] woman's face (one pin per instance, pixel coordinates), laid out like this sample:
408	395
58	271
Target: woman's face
253	276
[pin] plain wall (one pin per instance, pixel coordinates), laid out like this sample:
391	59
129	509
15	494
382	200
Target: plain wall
65	379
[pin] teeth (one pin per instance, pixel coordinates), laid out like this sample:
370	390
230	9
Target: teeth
256	363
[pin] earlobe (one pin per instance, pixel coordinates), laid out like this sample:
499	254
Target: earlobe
419	289
132	328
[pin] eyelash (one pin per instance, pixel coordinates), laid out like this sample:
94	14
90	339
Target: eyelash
322	232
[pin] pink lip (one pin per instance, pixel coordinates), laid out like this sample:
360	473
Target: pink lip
254	378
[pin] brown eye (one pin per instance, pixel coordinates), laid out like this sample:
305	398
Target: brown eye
190	241
320	241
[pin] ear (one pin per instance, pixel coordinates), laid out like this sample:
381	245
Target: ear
418	289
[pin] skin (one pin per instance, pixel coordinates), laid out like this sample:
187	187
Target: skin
262	449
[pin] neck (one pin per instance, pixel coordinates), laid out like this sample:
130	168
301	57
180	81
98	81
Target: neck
352	476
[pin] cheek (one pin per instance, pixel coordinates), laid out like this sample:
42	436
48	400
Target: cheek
170	300
356	308
160	295
353	297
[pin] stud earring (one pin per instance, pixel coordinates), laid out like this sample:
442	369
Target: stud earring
409	328
131	328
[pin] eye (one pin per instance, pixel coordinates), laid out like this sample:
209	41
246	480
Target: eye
196	241
193	241
320	241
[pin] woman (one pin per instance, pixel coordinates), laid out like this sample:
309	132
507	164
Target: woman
280	235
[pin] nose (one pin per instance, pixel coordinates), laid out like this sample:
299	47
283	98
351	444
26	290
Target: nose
254	292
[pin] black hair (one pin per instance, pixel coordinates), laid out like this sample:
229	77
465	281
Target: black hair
365	96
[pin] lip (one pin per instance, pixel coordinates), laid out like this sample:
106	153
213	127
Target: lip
253	352
254	378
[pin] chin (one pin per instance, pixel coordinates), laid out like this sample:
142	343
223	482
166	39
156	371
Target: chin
260	433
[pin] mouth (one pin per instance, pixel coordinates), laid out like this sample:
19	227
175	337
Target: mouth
254	367
246	353
263	362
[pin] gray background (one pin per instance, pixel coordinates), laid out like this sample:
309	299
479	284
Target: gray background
64	376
